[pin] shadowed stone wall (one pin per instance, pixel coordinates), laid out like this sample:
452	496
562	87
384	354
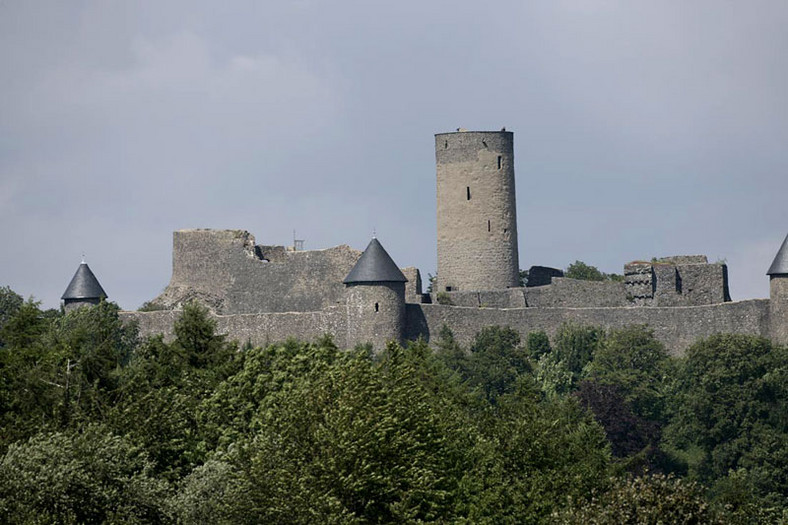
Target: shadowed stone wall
477	217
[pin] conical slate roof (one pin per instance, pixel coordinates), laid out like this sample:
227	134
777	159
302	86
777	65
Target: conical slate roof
780	264
84	285
374	266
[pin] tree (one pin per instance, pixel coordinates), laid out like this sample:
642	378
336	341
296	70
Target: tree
496	361
646	499
732	415
537	344
635	362
87	477
586	272
574	347
10	302
353	441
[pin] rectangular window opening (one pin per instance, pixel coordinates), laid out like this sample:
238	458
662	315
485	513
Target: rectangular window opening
499	161
467	193
377	307
488	225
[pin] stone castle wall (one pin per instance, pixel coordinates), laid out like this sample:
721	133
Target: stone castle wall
676	327
564	292
258	329
477	217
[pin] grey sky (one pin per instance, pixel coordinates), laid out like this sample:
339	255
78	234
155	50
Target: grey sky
641	129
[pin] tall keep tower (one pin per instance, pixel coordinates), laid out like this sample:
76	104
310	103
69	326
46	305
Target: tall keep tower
477	212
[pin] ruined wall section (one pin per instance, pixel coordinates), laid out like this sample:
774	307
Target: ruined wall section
413	286
687	280
476	211
226	271
566	292
676	327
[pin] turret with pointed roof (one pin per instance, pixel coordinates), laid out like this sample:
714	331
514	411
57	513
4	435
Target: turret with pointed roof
375	266
375	298
780	263
778	295
84	289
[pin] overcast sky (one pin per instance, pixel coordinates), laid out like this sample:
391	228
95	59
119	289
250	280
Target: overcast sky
641	129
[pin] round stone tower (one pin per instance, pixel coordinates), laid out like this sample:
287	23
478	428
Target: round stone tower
83	290
375	289
778	295
477	212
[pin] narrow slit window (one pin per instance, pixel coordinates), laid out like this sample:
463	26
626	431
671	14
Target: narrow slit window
377	307
499	161
467	193
488	225
446	144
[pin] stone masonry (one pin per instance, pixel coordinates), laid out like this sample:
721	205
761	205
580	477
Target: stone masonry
264	293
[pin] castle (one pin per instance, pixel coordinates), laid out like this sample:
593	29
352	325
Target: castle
262	293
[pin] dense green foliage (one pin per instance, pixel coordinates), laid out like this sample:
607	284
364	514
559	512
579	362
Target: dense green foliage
586	426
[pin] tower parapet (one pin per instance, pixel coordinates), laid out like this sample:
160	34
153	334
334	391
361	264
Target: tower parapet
477	212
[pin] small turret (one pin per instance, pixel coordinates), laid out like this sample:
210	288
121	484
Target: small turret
778	295
83	290
375	298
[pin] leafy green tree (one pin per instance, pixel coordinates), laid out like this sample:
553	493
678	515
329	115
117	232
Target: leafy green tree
583	271
162	388
646	499
449	351
732	415
538	344
634	361
573	348
586	272
85	351
87	477
496	361
355	441
196	338
538	457
10	302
